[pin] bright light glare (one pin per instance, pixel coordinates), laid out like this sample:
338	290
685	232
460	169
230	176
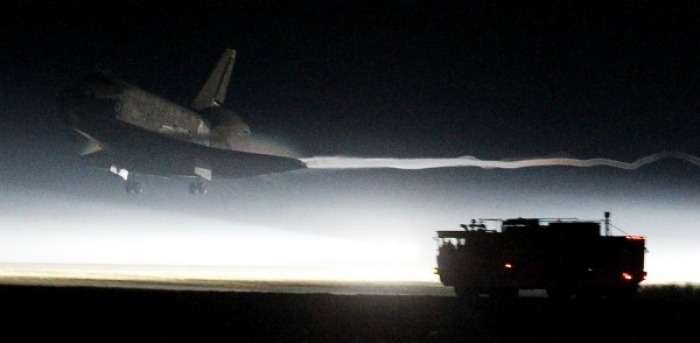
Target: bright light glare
223	250
107	240
670	265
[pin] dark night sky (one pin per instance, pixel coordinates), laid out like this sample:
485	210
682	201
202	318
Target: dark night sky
419	79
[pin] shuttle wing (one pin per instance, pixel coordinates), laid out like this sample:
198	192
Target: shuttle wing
146	153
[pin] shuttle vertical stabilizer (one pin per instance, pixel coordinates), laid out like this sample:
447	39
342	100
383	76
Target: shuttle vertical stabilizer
213	93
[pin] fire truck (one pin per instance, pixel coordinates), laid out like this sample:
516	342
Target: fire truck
566	257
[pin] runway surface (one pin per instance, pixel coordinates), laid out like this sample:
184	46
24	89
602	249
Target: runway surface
316	312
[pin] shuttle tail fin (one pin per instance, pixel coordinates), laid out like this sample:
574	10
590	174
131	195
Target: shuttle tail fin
213	93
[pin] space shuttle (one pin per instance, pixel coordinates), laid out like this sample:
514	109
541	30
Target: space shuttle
131	131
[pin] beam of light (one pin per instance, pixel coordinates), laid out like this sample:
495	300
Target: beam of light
110	249
341	162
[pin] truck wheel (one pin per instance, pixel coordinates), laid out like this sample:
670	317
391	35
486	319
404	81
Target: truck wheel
559	293
505	293
589	293
466	292
622	293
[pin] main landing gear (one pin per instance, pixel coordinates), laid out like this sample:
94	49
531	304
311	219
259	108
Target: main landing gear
130	185
133	186
198	187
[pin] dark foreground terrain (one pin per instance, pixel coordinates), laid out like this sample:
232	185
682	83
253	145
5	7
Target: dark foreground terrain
104	314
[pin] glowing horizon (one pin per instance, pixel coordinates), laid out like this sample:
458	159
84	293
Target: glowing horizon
228	251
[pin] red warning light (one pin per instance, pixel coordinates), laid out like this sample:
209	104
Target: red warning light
626	276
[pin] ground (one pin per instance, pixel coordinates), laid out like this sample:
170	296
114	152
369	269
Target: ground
94	313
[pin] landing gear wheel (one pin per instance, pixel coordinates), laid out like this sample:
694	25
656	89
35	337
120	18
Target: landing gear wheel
198	187
133	187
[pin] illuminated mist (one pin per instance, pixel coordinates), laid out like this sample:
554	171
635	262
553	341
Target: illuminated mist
350	224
